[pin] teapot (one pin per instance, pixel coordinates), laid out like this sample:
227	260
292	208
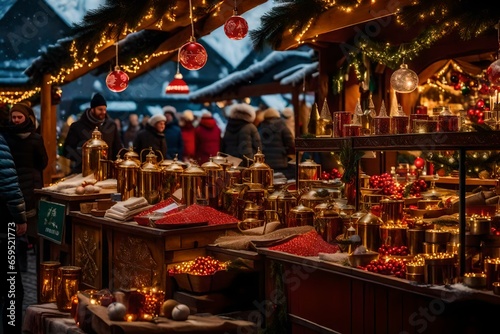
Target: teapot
253	210
259	171
215	183
94	152
327	221
126	177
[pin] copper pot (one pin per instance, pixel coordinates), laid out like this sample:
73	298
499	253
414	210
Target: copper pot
369	231
259	171
327	222
126	178
171	177
215	183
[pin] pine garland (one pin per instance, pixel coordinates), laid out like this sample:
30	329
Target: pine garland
475	163
349	159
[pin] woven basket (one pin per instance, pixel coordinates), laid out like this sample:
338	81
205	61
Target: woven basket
203	284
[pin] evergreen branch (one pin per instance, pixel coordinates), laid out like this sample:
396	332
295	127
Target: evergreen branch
349	159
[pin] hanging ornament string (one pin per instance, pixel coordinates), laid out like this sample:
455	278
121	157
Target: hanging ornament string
178	85
117	81
404	80
192	55
236	27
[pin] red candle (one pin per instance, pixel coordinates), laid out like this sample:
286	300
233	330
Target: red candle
339	119
399	124
382	125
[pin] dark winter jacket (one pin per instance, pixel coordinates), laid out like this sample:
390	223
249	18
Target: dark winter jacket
149	137
241	138
12	207
208	137
173	136
277	142
29	154
81	131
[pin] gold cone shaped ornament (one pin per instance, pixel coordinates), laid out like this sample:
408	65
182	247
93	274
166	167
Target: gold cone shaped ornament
313	120
324	127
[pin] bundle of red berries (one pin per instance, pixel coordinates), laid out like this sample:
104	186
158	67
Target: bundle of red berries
394	267
332	175
385	250
202	265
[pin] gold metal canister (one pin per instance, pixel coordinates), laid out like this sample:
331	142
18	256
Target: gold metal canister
48	281
194	185
126	178
215	183
94	151
171	177
259	171
68	283
150	185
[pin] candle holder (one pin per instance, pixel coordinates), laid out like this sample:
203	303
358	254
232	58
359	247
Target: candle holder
382	125
48	281
399	124
351	130
68	282
339	119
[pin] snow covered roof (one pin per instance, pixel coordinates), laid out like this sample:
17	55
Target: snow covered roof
268	66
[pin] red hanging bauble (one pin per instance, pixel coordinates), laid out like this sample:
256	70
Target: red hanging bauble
419	162
192	56
493	73
177	86
117	81
236	27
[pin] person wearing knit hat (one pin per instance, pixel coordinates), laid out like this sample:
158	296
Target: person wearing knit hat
95	117
152	136
30	157
241	137
98	101
277	142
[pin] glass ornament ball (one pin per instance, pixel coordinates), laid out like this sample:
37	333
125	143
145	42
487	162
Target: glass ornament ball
117	81
236	27
493	73
419	162
404	80
192	56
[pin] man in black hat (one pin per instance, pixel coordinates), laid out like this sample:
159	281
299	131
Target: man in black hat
81	131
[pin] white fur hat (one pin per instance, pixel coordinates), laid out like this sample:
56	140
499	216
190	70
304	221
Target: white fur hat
169	109
156	118
242	111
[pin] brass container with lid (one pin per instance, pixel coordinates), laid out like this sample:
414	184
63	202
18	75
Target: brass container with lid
94	151
171	177
369	231
150	184
126	177
194	186
300	215
215	183
259	171
327	221
308	171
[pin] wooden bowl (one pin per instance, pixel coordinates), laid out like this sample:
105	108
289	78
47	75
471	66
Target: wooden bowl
475	280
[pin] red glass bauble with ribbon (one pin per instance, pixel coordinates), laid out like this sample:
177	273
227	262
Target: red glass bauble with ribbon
192	56
117	81
236	27
493	73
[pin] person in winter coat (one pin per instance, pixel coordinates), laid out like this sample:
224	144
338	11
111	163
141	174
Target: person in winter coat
208	137
13	213
277	141
29	154
152	136
188	134
241	138
173	135
131	131
81	131
289	117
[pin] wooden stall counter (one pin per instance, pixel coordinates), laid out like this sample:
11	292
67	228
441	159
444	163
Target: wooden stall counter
325	297
124	255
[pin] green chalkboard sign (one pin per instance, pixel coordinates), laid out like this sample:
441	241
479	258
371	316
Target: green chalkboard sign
51	220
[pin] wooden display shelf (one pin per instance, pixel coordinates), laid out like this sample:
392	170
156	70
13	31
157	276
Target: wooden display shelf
470	181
